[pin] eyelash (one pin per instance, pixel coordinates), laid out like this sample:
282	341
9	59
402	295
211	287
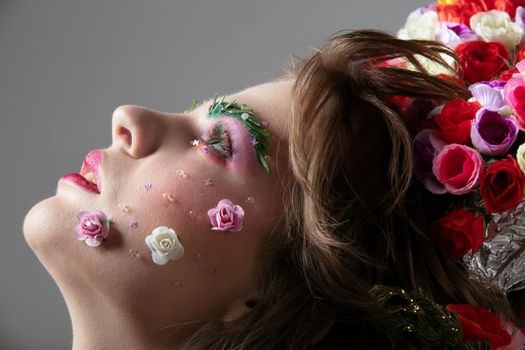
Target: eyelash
219	142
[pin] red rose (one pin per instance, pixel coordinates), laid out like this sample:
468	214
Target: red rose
508	6
480	325
501	186
452	79
455	121
400	102
458	232
507	74
520	54
461	11
481	60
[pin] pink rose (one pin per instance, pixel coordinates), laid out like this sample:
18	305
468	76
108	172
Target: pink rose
226	216
514	92
93	227
459	168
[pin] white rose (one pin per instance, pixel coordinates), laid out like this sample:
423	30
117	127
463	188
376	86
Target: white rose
419	26
497	26
164	245
520	157
431	66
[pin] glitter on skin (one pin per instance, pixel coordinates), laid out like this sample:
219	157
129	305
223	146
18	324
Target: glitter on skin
197	257
181	173
178	283
124	208
195	142
193	213
134	224
168	198
208	182
254	142
134	253
250	200
147	186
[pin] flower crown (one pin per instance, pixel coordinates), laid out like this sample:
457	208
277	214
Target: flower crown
471	153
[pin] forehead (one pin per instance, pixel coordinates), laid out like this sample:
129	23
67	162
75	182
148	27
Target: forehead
271	102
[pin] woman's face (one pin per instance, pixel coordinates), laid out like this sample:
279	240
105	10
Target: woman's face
154	175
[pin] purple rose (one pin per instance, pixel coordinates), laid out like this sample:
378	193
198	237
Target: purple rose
453	34
93	227
492	133
489	94
226	216
427	145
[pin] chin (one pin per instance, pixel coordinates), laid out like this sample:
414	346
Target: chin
46	226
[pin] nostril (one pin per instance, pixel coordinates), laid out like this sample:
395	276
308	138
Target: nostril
125	136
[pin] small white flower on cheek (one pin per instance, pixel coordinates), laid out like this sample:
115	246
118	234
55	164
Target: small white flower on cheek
164	245
226	216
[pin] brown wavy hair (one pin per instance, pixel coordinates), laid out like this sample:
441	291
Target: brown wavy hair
355	217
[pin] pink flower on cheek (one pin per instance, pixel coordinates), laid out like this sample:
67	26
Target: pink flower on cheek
226	216
93	227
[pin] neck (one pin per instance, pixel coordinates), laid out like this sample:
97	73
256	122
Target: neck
105	327
101	324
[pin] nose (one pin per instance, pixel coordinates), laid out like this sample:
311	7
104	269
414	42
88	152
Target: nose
137	130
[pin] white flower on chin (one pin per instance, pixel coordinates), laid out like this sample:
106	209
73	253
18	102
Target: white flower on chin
420	25
164	245
497	26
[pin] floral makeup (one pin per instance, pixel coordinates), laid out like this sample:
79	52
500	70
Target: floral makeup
153	176
245	115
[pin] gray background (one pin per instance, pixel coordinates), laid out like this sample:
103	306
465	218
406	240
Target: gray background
66	65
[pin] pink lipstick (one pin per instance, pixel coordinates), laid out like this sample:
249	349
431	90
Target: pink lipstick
89	176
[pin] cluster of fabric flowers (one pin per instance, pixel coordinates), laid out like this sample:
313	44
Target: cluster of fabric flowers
473	148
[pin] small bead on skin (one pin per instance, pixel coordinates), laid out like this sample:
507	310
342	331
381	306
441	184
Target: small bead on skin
168	198
124	208
197	257
178	283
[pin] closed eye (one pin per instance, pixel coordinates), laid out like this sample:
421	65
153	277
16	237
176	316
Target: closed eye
219	142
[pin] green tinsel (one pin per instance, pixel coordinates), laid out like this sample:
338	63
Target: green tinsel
421	323
245	116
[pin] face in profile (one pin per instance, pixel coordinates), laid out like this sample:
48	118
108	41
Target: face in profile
162	170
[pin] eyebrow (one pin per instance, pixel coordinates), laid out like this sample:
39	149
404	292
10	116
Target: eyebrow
246	116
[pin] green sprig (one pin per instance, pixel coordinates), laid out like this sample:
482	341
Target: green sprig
421	323
245	116
194	104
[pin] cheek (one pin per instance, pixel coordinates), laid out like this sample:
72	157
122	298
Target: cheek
181	203
219	261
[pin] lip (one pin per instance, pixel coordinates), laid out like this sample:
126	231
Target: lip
90	165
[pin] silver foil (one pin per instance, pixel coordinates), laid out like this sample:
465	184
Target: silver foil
501	258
